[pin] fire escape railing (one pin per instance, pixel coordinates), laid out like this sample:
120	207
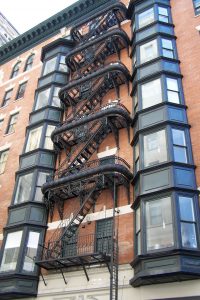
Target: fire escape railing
87	123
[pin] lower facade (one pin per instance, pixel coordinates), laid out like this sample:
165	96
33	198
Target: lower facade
98	287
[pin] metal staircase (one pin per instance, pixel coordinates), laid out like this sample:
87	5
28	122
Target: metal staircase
87	124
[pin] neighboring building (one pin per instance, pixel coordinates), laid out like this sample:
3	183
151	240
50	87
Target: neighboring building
99	154
7	30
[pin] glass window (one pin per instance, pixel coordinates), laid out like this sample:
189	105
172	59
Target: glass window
42	178
197	6
179	145
15	70
7	97
151	93
173	90
3	160
146	17
167	48
155	148
29	62
138	231
34	139
137	158
62	65
159	229
31	251
135	102
21	90
11	251
56	101
50	66
148	51
12	123
42	98
1	123
187	219
48	144
163	15
23	188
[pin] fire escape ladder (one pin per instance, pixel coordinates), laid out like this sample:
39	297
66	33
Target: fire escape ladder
114	269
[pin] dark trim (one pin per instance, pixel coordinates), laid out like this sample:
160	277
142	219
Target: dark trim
54	44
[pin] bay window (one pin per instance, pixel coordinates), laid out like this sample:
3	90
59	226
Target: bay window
179	145
148	51
167	48
155	148
56	101
146	17
41	179
163	14
173	94
23	188
42	98
11	251
151	93
31	251
159	229
50	66
34	139
48	144
187	221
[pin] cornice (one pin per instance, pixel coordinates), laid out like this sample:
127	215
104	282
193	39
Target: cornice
66	17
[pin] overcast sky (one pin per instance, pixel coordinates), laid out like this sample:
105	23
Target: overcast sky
24	14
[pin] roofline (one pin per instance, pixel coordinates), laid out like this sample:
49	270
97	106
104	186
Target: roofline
66	17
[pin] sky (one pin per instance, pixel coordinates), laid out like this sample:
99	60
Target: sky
24	14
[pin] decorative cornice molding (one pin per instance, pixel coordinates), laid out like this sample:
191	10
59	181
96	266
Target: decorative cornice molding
66	17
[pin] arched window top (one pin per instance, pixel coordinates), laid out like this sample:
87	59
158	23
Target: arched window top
29	62
15	69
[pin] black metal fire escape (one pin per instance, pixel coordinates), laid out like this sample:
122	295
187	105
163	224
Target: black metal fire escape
87	123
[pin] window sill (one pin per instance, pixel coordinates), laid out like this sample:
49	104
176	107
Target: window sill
2	107
16	100
6	134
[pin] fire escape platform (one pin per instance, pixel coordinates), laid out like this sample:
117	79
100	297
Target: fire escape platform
72	261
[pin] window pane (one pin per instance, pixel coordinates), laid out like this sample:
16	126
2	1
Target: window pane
31	251
173	97
137	219
42	98
62	65
3	159
11	251
159	224
178	137
21	90
186	208
34	139
188	234
146	17
12	122
148	51
172	84
155	148
48	144
163	14
180	154
151	93
56	101
23	188
50	66
138	241
42	178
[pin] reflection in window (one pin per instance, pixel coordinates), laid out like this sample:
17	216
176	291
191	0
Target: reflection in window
138	231
148	51
146	17
42	98
173	90
50	66
187	219
31	251
151	93
34	139
23	188
7	97
155	148
29	62
163	15
137	157
159	229
3	160
42	178
167	48
197	6
179	145
15	70
12	122
11	251
21	90
48	144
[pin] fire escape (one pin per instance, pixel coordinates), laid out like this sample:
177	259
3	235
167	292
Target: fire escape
87	124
